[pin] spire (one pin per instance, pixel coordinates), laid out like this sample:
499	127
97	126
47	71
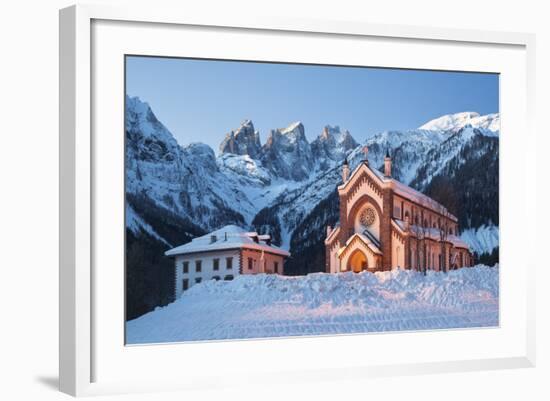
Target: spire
345	171
387	164
365	150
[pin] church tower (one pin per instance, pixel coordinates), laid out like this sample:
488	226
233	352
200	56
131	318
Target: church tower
345	171
387	164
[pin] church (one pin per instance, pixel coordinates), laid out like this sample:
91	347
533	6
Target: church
385	225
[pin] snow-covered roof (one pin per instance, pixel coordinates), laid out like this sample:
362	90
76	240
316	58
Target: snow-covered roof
432	233
418	197
457	242
365	239
228	237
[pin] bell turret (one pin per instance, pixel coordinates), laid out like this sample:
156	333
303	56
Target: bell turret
387	164
345	171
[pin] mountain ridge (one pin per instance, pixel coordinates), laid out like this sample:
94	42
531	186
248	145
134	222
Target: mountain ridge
286	177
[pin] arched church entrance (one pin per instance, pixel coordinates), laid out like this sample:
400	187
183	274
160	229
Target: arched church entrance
357	262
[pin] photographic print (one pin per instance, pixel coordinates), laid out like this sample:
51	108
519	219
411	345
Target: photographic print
278	199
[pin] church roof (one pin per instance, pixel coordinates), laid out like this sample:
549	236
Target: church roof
366	240
432	233
405	191
228	237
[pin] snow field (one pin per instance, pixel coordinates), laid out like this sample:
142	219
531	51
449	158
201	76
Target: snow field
318	304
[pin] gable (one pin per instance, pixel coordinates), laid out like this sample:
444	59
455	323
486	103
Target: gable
363	181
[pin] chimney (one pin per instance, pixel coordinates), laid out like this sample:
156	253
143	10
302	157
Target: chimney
329	230
213	239
387	164
345	171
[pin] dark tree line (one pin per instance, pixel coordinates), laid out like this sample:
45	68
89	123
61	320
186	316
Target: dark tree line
150	274
489	259
307	246
473	178
267	222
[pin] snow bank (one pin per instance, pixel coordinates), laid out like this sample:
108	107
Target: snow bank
274	306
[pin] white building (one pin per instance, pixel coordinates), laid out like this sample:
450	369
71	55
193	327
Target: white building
224	254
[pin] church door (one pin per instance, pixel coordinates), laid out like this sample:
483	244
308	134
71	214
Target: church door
357	262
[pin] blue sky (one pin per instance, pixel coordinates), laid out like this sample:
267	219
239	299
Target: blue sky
202	100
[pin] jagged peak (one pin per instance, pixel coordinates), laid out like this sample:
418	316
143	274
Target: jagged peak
297	125
329	130
335	133
292	134
136	105
245	140
247	123
140	117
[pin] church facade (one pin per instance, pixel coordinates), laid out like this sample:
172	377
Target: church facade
387	225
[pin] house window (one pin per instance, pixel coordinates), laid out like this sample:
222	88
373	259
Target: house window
229	263
250	263
198	266
186	267
216	278
229	277
216	264
185	284
198	280
276	267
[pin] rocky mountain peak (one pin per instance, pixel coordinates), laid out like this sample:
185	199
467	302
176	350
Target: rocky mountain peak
288	153
141	119
332	144
243	141
334	136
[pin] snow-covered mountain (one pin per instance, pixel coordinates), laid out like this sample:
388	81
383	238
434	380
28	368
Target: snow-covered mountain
185	180
287	153
287	185
449	122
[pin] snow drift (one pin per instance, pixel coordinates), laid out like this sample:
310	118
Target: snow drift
276	306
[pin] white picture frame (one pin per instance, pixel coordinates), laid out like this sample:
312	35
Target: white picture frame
81	343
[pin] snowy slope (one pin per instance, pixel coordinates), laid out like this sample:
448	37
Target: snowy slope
448	122
275	306
481	240
136	223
